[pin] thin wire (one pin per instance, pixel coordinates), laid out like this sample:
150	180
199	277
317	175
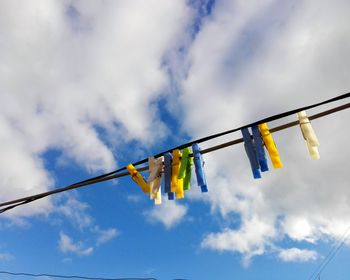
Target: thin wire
331	254
70	187
69	276
105	177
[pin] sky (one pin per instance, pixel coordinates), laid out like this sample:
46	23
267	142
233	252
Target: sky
89	86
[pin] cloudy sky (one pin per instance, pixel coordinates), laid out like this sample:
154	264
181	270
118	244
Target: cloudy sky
89	86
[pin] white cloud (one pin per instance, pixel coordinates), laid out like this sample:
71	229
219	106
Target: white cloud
85	67
271	57
106	235
299	229
76	212
67	245
297	255
169	213
21	172
250	240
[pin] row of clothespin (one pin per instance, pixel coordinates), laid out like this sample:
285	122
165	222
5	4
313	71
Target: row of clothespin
177	167
254	145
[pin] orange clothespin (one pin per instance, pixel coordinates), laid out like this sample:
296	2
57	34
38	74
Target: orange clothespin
138	178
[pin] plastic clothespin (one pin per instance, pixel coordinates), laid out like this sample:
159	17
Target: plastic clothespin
186	168
138	178
155	177
167	175
187	179
251	153
259	149
270	145
176	184
198	163
309	135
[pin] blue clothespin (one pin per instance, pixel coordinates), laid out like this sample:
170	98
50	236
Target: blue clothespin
167	175
259	149
198	163
250	150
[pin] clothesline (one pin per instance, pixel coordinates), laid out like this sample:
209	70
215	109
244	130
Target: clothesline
119	173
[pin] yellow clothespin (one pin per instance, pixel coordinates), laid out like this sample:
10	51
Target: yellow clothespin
155	177
270	145
176	184
138	178
309	135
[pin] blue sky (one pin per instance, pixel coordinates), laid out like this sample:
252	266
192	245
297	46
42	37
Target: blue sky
89	86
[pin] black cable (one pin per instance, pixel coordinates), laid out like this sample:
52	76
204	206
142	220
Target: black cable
111	175
76	276
28	199
70	276
2	210
70	187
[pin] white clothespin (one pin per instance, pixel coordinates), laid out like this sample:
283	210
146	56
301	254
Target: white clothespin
309	135
155	178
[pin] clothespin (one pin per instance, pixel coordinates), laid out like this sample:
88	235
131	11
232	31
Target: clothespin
186	168
138	178
198	163
251	153
187	179
176	184
155	177
309	135
270	145
167	175
259	149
